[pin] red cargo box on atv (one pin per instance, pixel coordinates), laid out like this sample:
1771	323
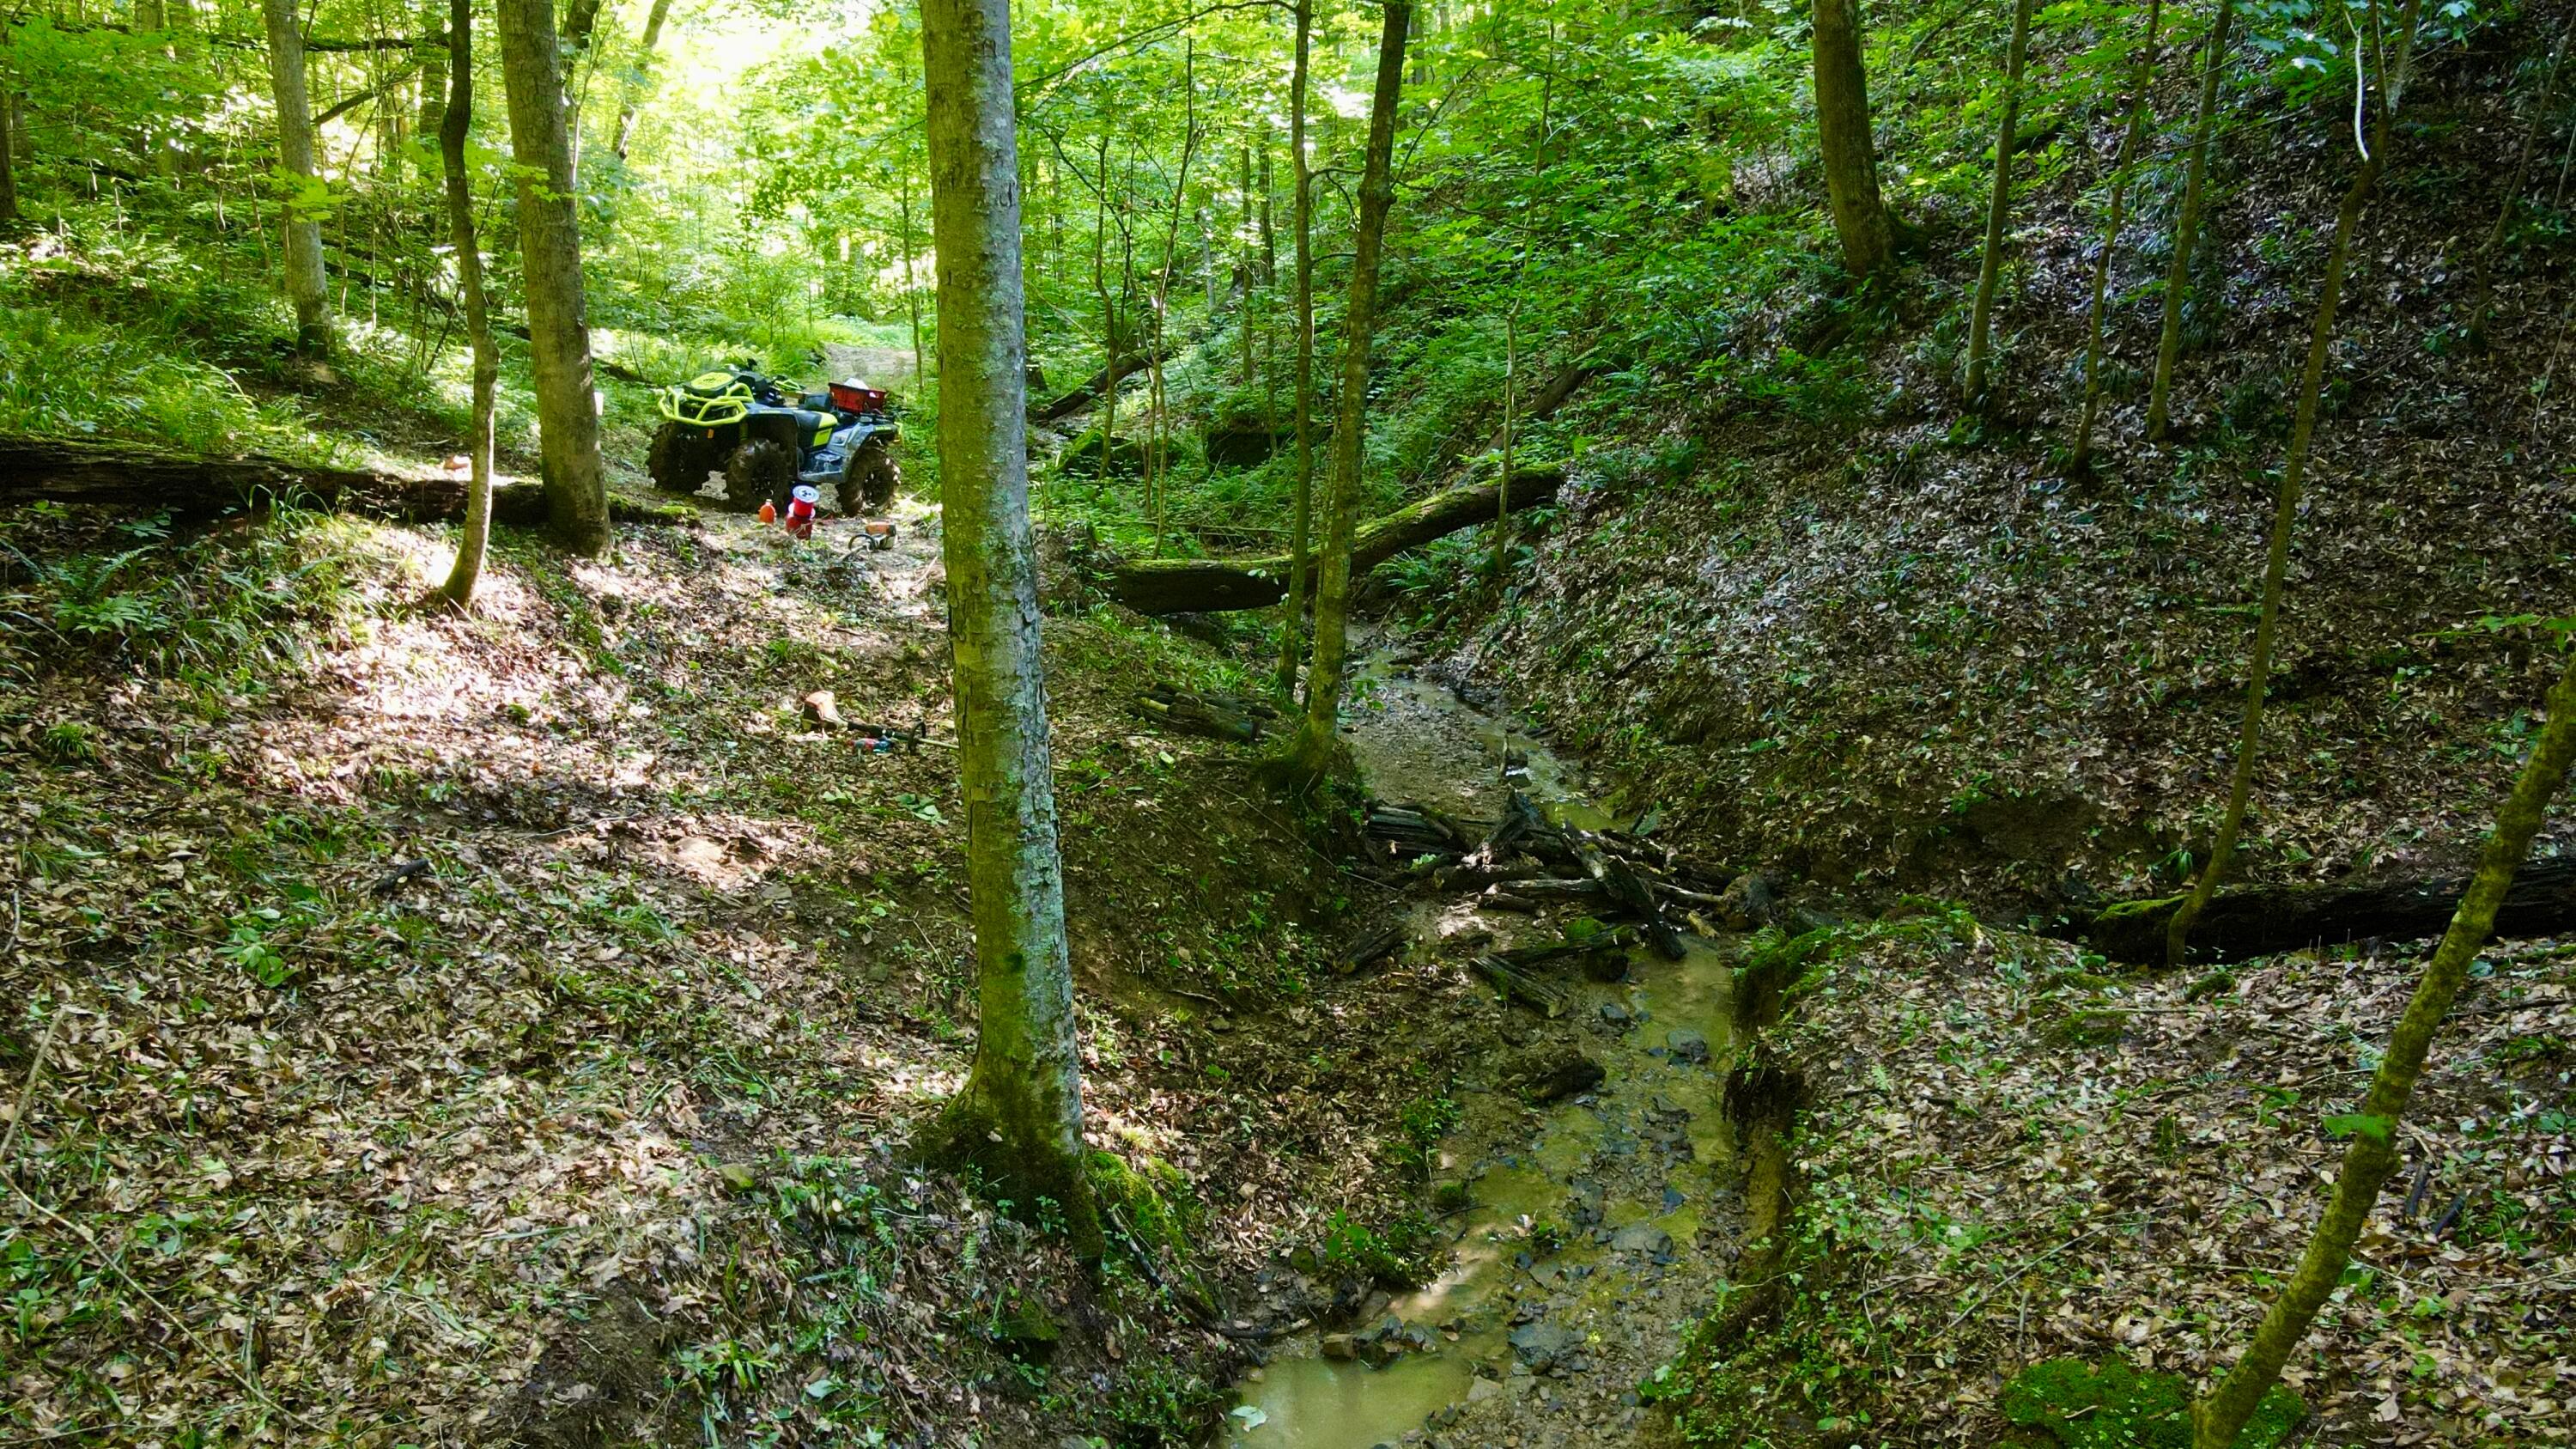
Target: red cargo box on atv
857	397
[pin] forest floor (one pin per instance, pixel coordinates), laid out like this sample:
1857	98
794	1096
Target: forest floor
509	1026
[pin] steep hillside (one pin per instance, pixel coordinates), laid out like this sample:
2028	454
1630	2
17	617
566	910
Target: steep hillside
1832	625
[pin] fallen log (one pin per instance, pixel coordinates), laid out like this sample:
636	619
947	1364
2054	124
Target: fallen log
1545	997
108	475
1090	389
1195	586
2264	920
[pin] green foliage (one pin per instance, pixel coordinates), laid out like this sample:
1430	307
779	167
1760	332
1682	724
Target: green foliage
2112	1405
1396	1253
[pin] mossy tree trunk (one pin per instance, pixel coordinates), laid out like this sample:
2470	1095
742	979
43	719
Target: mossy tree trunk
2371	1156
1981	317
1318	746
455	119
1842	133
550	251
9	217
2294	468
1020	1115
2123	170
2186	232
306	288
1292	618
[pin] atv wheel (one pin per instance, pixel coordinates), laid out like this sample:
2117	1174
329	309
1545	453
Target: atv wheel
680	460
870	478
760	471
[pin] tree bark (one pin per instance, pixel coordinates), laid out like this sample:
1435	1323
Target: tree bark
110	475
1990	267
1198	585
1020	1114
2263	921
633	100
550	254
432	120
9	217
2141	107
1318	747
2294	468
1511	383
1842	132
456	118
1292	620
2371	1156
2186	234
306	287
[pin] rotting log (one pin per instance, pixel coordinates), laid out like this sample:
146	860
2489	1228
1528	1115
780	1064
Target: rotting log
2256	922
106	475
1091	388
1545	997
1189	586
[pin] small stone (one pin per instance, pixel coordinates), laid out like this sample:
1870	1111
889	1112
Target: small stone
1540	1345
1339	1346
1617	1015
1686	1045
1484	1391
738	1177
1644	1238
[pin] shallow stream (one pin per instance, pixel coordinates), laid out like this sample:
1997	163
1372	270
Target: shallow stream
1634	1177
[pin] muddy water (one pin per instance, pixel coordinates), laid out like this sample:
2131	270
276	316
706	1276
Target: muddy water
1634	1178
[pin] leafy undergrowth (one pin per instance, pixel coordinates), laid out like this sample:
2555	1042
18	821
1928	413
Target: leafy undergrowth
1825	620
507	1028
2012	1160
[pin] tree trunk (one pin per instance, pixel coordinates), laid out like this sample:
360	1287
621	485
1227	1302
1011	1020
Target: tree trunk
633	99
2186	235
432	120
456	118
1020	1115
1318	746
911	290
305	285
1292	620
1511	384
1200	585
2141	106
2265	920
1981	317
2294	467
2513	188
550	254
2372	1154
1243	266
1842	132
9	218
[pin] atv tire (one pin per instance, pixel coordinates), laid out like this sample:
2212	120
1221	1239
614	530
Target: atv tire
757	472
869	480
680	459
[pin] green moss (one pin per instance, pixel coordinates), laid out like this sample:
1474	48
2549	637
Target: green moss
2087	1028
2112	1405
1150	1199
2133	910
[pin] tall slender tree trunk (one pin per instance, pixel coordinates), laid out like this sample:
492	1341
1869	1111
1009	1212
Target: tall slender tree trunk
1292	618
432	120
9	218
1109	339
1511	391
2513	188
632	99
1157	453
1842	133
2123	167
911	289
2186	233
306	287
550	255
2371	1156
456	118
1981	318
1318	745
2294	468
1020	1115
1243	265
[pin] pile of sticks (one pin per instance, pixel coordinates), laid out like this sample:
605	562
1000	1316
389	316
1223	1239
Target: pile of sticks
1522	858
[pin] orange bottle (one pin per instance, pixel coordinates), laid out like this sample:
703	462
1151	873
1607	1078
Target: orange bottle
768	511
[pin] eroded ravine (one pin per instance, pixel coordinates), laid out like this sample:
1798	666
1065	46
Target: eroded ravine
1598	1226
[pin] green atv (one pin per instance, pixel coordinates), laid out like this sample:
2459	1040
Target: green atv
742	424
